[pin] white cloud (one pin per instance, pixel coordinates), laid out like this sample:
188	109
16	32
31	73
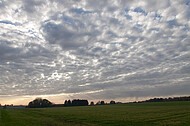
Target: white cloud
130	48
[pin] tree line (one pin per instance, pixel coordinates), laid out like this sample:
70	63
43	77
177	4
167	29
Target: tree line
76	102
185	98
41	103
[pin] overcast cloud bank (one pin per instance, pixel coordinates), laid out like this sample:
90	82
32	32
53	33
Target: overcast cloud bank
111	49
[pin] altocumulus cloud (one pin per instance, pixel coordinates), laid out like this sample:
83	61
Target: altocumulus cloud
111	49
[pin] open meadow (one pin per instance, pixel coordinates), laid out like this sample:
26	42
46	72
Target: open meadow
132	114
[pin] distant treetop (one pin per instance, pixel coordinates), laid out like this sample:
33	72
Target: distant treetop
40	103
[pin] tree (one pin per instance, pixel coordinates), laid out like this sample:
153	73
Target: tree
112	102
69	103
98	103
46	103
78	102
91	103
66	103
102	103
39	103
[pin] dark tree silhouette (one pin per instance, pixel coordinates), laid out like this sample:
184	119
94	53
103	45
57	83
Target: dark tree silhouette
98	103
102	103
78	102
184	98
91	103
66	103
39	103
112	102
69	103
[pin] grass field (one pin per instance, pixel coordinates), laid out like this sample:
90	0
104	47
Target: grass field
134	114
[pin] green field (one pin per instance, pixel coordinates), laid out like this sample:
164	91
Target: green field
133	114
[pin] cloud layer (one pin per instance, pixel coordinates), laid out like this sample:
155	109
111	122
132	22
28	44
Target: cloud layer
94	49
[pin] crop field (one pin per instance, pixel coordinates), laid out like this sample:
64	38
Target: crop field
133	114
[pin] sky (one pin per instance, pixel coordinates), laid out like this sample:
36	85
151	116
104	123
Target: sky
123	50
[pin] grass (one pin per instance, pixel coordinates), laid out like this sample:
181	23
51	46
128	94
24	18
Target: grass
134	114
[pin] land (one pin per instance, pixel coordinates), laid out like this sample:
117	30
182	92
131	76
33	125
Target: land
175	113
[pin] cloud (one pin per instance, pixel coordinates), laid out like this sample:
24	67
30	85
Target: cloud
94	49
65	36
31	6
6	49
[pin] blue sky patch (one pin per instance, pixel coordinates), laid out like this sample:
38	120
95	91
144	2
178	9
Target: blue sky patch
157	16
127	15
9	22
187	3
127	10
116	43
80	11
173	22
154	29
140	10
68	20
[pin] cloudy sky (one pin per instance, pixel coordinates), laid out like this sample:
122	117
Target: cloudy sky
94	49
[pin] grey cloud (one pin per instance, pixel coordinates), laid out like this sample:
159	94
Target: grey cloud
185	69
70	33
97	5
7	52
155	5
67	38
30	5
90	49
